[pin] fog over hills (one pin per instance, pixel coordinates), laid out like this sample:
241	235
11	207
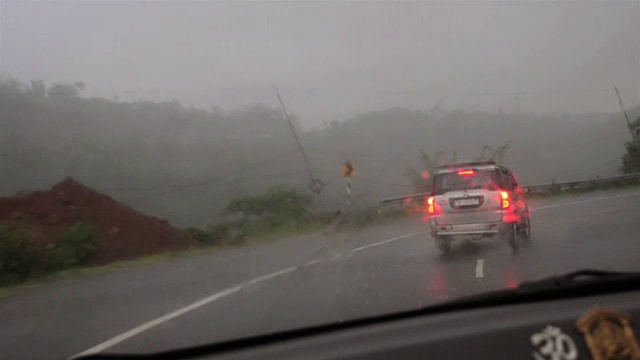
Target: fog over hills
185	163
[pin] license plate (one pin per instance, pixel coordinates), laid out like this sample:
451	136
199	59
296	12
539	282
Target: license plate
466	202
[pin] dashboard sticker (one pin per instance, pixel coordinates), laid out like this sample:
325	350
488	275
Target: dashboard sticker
609	334
553	344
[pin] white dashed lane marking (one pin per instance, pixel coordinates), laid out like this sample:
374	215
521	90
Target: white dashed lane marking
480	268
200	303
386	241
312	262
218	295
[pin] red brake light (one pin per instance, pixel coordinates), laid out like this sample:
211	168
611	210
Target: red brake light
466	172
510	216
432	207
505	199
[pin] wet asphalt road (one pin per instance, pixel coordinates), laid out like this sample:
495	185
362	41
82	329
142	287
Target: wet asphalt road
309	280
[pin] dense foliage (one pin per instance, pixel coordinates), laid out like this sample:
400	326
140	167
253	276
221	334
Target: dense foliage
631	158
277	206
76	247
185	164
21	258
18	257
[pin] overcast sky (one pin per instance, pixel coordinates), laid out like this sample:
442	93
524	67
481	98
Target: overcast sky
333	59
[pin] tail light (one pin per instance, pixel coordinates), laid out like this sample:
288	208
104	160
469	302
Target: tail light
506	199
432	207
510	215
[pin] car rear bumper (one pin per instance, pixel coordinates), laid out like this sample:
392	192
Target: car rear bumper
488	229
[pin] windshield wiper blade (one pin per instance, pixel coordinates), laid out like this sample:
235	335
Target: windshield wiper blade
576	278
579	283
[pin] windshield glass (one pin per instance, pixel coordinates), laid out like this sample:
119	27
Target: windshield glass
465	180
179	173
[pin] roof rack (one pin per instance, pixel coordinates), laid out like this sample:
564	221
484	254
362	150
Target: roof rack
469	164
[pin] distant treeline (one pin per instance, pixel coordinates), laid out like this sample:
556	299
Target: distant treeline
185	164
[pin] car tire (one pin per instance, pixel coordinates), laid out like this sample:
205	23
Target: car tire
444	244
513	237
526	231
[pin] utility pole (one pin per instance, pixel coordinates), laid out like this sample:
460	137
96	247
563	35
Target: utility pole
624	111
316	185
348	193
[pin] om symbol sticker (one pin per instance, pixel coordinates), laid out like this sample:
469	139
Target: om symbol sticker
552	344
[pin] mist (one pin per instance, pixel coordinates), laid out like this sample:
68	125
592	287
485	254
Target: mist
333	60
169	106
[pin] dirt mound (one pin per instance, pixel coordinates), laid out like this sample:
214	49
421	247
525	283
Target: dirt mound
122	232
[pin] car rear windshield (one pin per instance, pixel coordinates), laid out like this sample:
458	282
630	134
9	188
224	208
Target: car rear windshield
468	180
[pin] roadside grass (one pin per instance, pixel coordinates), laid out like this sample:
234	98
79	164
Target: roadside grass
256	236
21	260
368	217
98	270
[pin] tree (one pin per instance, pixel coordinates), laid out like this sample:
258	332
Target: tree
277	206
454	157
10	86
631	159
500	152
489	153
421	180
419	184
37	89
64	90
485	153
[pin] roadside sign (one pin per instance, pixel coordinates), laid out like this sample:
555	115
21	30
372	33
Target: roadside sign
348	170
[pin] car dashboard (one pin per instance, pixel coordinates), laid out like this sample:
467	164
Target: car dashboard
603	326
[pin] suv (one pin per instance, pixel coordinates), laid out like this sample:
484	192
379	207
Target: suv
474	201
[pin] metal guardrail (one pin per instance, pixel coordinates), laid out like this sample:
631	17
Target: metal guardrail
410	200
404	198
543	188
405	201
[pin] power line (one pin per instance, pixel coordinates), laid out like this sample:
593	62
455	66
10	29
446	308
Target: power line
204	183
200	183
186	187
600	167
272	176
624	111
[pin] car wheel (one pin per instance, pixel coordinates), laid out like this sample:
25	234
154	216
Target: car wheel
513	237
444	244
526	232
